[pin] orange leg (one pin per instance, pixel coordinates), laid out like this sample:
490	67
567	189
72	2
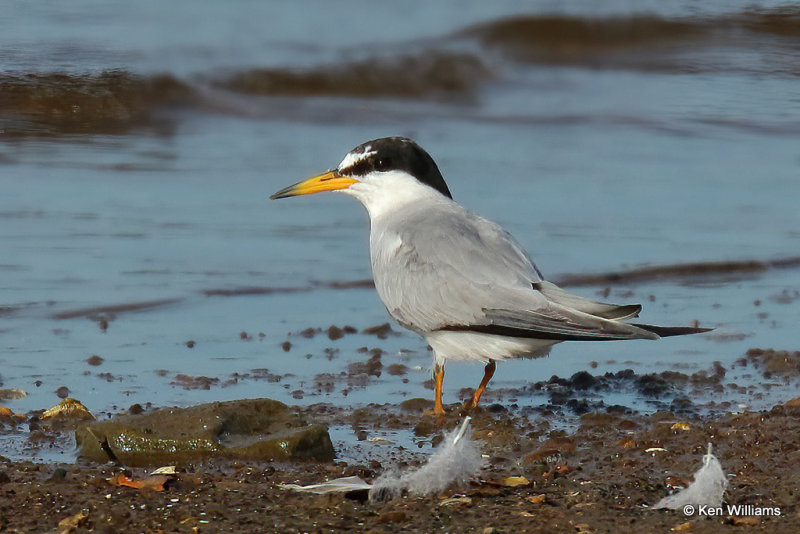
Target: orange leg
438	378
488	372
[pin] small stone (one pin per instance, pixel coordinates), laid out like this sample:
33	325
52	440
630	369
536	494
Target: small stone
190	344
94	359
334	333
456	500
397	516
286	346
582	380
513	482
12	394
382	331
425	427
416	405
397	369
308	332
62	392
536	499
71	523
69	408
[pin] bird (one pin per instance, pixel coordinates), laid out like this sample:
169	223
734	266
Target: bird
455	278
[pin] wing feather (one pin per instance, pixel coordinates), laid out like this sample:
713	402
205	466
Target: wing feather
441	267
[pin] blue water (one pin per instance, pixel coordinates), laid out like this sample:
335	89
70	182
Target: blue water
592	169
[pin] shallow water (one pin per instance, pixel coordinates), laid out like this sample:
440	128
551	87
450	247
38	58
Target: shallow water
599	149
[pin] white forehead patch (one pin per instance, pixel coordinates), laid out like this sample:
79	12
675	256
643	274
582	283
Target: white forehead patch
354	157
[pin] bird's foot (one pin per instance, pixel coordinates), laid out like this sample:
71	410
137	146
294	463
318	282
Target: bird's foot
437	413
469	404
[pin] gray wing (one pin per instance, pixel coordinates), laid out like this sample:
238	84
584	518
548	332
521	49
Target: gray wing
444	268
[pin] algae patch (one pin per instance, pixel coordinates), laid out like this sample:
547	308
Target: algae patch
251	429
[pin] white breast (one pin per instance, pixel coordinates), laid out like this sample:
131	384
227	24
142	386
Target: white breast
474	346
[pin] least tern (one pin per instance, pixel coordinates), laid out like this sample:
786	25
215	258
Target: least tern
455	278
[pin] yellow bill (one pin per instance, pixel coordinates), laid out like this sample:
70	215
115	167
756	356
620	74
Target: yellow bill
329	181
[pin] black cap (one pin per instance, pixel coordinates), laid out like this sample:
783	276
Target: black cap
397	153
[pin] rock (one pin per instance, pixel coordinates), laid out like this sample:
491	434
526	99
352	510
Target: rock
12	394
68	409
582	380
371	367
416	405
250	429
7	416
397	369
334	333
793	406
513	482
456	500
382	331
71	523
94	360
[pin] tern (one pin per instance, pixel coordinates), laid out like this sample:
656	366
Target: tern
458	279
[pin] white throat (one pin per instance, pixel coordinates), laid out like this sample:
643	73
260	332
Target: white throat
383	193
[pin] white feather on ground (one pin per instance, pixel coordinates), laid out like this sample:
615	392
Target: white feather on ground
337	485
456	460
708	487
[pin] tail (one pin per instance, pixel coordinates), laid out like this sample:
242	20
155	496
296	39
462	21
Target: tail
668	331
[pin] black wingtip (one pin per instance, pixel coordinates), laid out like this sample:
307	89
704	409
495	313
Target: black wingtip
669	331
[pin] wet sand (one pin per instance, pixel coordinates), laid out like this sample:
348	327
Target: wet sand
585	467
599	479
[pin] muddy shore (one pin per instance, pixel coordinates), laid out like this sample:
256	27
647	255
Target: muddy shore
601	475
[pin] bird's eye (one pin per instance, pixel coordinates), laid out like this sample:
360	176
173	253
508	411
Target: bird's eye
383	164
